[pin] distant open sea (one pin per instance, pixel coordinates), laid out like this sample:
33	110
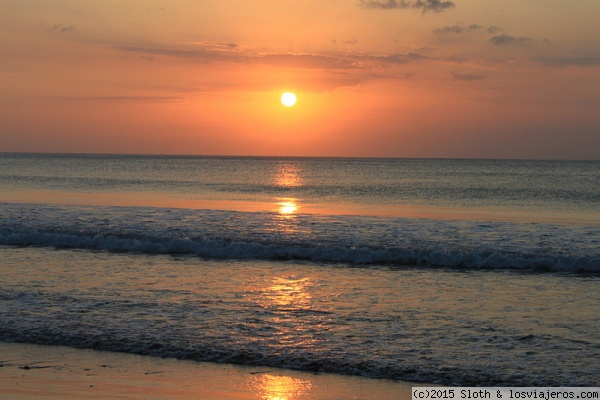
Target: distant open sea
460	272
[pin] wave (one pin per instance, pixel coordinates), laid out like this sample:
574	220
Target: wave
413	370
268	236
223	248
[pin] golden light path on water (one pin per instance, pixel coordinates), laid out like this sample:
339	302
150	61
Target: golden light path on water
287	207
288	175
274	387
285	297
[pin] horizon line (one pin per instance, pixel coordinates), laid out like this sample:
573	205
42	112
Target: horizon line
285	156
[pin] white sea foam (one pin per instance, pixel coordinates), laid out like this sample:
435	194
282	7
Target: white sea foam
340	239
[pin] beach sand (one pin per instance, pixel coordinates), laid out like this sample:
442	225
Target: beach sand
55	372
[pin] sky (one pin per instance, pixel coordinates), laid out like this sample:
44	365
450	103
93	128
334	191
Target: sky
373	78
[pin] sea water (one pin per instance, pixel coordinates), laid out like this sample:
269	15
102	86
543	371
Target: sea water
469	272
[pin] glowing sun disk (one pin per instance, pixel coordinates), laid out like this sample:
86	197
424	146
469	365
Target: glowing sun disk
288	99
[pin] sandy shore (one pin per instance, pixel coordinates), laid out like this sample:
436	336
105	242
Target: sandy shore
54	372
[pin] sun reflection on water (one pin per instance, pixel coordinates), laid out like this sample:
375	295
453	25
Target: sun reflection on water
273	387
287	207
288	292
289	309
288	175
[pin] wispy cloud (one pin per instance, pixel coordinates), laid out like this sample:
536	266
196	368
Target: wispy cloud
457	29
218	45
385	5
304	61
466	77
425	5
455	59
396	58
589	61
343	61
504	39
309	84
125	98
308	61
202	55
60	28
349	42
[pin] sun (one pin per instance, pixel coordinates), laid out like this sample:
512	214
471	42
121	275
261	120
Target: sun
288	99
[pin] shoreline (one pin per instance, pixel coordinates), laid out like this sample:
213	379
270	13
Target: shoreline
29	371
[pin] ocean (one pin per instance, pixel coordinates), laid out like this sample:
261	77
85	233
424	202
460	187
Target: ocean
457	272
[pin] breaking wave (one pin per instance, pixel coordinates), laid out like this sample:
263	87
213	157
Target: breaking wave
353	240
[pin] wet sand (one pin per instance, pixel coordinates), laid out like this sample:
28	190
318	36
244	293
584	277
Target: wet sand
56	372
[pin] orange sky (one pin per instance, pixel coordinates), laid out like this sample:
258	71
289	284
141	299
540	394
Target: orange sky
383	78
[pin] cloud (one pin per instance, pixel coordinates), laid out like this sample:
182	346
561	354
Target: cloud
127	98
307	61
337	61
319	83
389	4
396	58
505	39
425	5
326	84
466	77
218	45
198	55
455	59
60	28
350	42
433	5
456	29
589	61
